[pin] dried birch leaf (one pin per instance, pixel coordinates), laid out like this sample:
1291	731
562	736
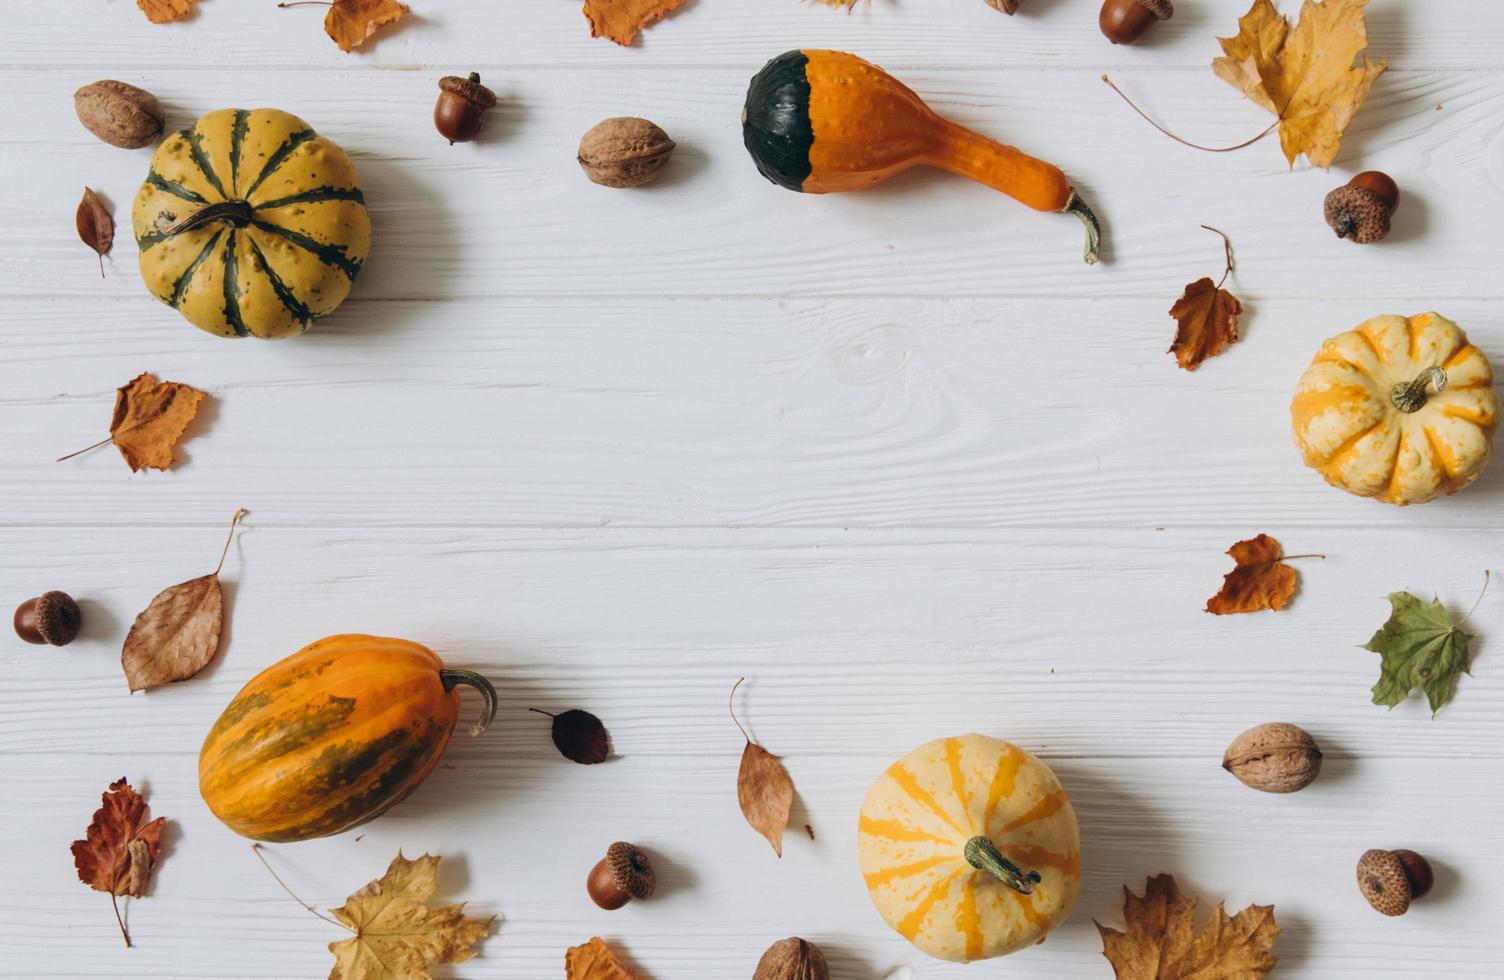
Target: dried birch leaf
1160	941
1306	77
621	20
178	634
398	936
595	960
1261	579
579	736
95	226
1206	317
120	848
764	789
165	11
352	22
150	417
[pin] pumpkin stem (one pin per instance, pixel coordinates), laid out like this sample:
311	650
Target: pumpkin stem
983	855
237	213
1410	396
450	677
1078	207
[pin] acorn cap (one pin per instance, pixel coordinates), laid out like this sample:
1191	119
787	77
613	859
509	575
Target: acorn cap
470	88
57	618
630	870
1358	213
1384	881
1161	9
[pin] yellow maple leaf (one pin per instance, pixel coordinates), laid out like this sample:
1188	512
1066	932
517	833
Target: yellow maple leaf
397	935
150	417
350	23
594	960
165	11
1309	77
1160	942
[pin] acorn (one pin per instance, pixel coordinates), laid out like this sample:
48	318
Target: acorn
622	875
1391	880
792	959
1361	208
1124	21
461	110
52	618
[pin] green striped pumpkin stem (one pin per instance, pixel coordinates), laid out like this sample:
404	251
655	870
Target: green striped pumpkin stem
237	213
983	855
451	676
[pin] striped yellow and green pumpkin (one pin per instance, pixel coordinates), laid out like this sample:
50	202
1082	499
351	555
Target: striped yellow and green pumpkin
970	849
251	224
332	736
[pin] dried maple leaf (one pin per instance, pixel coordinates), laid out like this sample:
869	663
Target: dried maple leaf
621	20
595	960
1206	317
1420	647
579	736
763	788
177	635
150	417
398	936
1160	942
1306	77
352	22
95	226
120	848
1261	579
165	11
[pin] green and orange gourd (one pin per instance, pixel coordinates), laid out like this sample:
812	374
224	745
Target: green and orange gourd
332	737
827	121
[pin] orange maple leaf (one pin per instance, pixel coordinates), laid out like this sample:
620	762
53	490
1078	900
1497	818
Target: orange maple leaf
150	417
165	11
1261	579
1206	317
352	22
595	961
620	20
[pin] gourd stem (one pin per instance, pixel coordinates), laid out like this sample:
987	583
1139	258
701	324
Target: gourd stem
451	676
237	213
1078	207
1410	396
983	855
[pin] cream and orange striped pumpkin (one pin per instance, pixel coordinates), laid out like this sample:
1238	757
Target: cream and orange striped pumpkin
970	848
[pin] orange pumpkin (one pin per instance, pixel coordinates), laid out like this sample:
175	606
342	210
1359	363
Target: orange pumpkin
332	736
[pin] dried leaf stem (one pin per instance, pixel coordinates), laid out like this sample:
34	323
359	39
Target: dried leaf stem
239	513
256	848
115	904
1185	142
1227	248
1487	577
731	709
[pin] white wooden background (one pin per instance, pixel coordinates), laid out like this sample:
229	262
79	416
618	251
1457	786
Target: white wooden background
899	457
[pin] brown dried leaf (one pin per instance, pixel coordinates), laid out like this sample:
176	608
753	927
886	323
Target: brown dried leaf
580	736
620	20
1261	579
595	960
763	788
1207	322
178	634
397	934
120	848
1160	941
165	11
95	226
149	419
1306	77
352	22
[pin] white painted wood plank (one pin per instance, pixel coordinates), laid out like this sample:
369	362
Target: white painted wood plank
514	216
749	412
467	34
858	646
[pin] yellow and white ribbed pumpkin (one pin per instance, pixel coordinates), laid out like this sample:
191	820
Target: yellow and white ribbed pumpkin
970	849
1399	409
251	224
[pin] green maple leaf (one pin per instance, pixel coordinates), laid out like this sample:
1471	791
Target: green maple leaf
1421	648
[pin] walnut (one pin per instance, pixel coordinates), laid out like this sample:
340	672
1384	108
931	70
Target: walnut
1275	758
792	959
120	114
624	151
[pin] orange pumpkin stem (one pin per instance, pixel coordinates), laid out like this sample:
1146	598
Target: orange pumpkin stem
983	855
450	676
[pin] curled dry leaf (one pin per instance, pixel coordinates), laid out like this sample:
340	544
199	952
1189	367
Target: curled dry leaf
165	11
352	22
1306	77
120	848
95	226
1206	317
1421	648
1160	942
398	936
1261	579
579	736
594	960
763	788
178	634
621	20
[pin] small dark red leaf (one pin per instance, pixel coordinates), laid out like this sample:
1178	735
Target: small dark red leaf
95	226
580	736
